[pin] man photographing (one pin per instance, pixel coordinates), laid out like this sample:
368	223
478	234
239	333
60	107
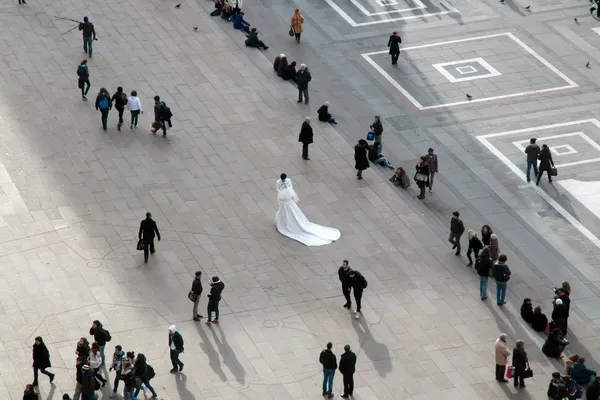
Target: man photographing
89	34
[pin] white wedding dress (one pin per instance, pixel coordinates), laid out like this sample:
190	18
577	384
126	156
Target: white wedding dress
292	222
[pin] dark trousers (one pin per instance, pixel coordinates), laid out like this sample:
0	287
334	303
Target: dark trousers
116	382
98	376
469	255
348	383
547	171
518	377
150	246
358	298
175	361
500	371
395	58
104	118
84	89
134	117
298	36
43	371
304	92
346	290
304	150
120	110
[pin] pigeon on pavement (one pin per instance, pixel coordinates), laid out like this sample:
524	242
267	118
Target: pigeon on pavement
528	8
178	5
469	97
587	65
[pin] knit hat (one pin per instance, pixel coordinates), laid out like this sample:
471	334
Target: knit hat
85	19
85	367
215	279
326	103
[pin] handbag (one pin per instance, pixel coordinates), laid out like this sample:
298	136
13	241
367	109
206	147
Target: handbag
140	245
192	295
420	177
291	32
547	330
528	373
370	135
510	372
553	171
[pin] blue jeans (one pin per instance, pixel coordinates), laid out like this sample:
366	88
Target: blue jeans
500	292
210	315
145	382
43	371
328	380
535	168
102	352
483	282
87	44
131	394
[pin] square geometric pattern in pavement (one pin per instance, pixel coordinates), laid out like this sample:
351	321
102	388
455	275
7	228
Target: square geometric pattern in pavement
488	68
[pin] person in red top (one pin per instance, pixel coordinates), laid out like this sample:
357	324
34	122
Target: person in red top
432	161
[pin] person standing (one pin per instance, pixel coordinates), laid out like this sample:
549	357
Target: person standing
546	162
532	151
303	76
483	266
494	247
84	79
359	283
329	363
343	272
89	35
347	368
502	353
361	161
377	129
148	229
176	348
432	162
486	233
162	114
104	104
101	336
117	365
501	274
394	45
475	246
214	297
135	107
41	360
120	100
519	361
422	176
305	137
296	23
457	228
560	316
197	290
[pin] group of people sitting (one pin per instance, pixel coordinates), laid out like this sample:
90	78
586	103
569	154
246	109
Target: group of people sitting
284	70
570	385
235	15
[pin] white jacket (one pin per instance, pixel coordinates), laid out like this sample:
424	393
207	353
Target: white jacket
134	104
95	360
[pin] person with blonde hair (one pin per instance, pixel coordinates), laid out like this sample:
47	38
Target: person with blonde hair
475	246
296	23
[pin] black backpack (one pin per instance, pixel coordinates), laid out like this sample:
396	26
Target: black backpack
166	112
108	337
151	373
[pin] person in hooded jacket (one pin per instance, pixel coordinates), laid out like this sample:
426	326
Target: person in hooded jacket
486	232
101	336
88	383
176	348
283	63
539	321
41	360
197	289
520	363
120	100
527	310
277	62
361	161
475	246
253	40
29	393
117	365
483	266
560	315
214	297
329	363
555	344
289	72
580	373
84	79
324	115
556	387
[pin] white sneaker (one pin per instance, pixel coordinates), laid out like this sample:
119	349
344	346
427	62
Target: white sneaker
113	395
357	315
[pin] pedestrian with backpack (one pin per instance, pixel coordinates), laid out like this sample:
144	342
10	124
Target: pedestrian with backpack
144	373
104	104
483	266
101	336
501	274
162	114
84	79
358	283
120	100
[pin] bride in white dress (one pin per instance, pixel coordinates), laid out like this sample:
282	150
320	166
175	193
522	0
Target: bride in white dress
292	222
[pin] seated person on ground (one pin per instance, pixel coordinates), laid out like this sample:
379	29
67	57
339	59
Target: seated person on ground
283	63
539	321
277	61
219	4
289	72
527	310
240	23
580	373
324	115
226	12
400	178
376	157
254	41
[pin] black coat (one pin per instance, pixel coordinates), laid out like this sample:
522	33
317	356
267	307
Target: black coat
197	286
484	265
215	296
323	113
147	230
31	395
359	282
120	100
539	322
552	343
377	127
289	73
394	44
485	237
306	133
519	358
343	275
276	63
475	244
361	161
41	356
176	339
283	63
560	315
348	362
302	78
83	73
327	359
545	158
253	40
100	334
593	391
527	312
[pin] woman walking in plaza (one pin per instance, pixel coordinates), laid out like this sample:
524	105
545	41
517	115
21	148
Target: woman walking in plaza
296	24
144	373
135	107
41	360
96	362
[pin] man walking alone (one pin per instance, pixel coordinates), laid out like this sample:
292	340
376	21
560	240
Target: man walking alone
89	35
347	368
148	229
394	45
327	359
343	272
197	290
456	230
176	348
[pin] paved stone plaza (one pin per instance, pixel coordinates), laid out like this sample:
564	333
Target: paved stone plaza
72	195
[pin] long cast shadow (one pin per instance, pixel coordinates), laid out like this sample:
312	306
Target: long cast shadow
182	390
229	357
214	359
378	353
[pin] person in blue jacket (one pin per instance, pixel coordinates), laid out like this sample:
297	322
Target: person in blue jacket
240	23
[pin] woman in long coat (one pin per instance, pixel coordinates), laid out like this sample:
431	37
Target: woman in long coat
394	45
361	161
41	360
296	23
546	161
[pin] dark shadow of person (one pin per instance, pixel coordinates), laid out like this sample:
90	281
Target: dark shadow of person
181	382
229	357
214	359
378	353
